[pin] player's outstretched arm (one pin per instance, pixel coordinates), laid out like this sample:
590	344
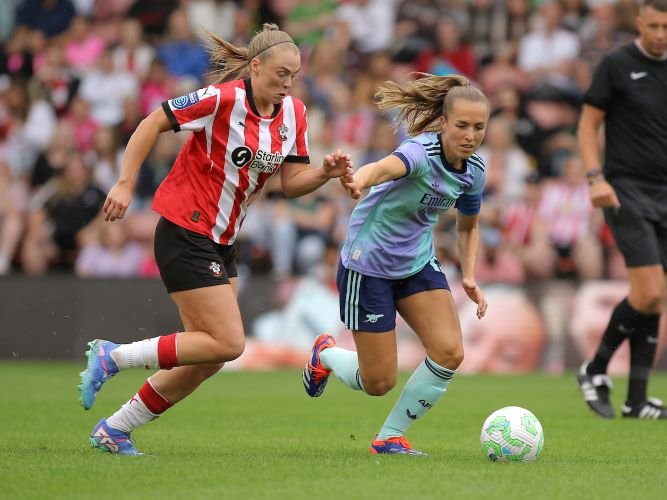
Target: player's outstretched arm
139	146
388	168
298	179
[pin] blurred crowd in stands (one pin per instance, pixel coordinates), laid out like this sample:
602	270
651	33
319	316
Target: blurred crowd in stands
77	77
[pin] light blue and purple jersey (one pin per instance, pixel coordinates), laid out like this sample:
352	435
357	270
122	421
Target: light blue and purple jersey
391	230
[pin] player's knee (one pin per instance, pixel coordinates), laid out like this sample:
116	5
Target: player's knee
649	301
379	387
448	356
229	349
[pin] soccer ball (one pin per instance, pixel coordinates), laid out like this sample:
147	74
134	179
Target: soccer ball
512	434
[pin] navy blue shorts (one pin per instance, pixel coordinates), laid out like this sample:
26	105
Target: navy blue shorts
368	304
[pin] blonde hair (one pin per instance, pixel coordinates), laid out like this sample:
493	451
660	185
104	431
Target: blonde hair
421	103
234	61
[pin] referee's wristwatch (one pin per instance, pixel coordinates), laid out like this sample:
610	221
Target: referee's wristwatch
594	176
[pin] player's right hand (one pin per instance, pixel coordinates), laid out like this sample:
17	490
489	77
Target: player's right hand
117	201
350	185
603	195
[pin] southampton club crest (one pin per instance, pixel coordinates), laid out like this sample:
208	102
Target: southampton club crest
282	132
215	269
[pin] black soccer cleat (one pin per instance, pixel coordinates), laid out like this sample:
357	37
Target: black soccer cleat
651	409
596	389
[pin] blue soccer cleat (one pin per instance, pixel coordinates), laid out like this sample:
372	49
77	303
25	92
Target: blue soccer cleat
101	367
398	445
315	375
110	440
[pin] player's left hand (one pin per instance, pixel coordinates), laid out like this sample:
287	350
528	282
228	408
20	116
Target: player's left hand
476	295
337	164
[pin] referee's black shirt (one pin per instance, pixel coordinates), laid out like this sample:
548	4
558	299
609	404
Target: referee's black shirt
632	90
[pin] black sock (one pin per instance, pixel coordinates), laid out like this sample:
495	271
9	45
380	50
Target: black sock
643	343
623	315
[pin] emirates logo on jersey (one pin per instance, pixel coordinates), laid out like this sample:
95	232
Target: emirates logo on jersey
282	132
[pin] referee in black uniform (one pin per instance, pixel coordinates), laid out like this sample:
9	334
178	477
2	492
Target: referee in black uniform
629	94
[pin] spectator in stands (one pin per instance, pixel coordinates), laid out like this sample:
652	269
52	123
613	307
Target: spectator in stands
479	28
549	51
511	21
307	21
184	56
501	71
414	28
14	107
570	224
82	125
83	45
599	33
51	17
370	23
508	165
153	15
51	161
217	16
313	216
58	213
450	54
575	13
133	54
105	89
13	196
156	87
105	158
58	78
110	253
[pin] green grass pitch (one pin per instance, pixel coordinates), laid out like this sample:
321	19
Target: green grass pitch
258	436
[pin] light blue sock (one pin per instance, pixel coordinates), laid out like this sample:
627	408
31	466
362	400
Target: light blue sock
422	391
345	366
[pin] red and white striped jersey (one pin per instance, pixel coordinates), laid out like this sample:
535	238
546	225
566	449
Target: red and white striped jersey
229	157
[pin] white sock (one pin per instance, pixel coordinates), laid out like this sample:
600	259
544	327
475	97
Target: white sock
345	366
131	415
141	354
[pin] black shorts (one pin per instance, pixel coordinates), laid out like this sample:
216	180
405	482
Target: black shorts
189	260
640	224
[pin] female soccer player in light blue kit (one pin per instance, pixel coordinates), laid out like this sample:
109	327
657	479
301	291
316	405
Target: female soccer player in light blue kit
388	261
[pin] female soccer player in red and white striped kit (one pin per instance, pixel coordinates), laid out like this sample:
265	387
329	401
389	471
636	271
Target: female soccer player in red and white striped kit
243	131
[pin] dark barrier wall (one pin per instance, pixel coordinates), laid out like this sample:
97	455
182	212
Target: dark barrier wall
54	317
550	327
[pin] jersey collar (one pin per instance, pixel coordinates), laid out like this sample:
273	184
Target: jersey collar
448	166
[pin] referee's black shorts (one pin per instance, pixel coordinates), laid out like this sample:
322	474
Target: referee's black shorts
189	260
640	224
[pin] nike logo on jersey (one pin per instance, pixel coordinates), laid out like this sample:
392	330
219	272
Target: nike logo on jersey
638	75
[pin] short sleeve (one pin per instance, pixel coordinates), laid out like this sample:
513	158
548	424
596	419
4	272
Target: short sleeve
413	155
300	151
470	201
193	111
599	94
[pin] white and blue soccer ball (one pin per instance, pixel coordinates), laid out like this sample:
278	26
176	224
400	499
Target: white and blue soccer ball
512	434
